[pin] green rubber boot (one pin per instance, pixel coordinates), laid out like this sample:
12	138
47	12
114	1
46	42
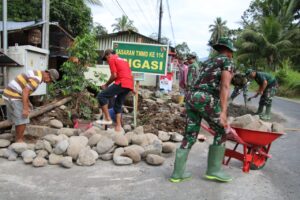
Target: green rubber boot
260	110
214	162
267	115
179	173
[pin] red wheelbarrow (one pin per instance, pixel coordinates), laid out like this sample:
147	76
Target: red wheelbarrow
256	146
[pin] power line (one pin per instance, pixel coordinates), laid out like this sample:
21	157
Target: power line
171	22
144	15
122	9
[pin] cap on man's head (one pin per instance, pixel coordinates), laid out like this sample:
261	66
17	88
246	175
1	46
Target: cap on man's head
54	75
248	72
108	52
191	56
224	42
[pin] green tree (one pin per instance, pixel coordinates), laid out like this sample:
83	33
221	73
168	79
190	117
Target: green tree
271	32
99	30
182	49
123	24
270	43
73	82
218	29
74	15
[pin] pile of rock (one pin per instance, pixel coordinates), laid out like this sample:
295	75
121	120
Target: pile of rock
66	146
159	111
252	122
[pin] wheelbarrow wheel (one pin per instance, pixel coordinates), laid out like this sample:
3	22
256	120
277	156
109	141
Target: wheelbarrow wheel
259	160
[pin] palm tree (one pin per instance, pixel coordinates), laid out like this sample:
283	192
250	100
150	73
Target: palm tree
218	29
95	2
123	24
269	43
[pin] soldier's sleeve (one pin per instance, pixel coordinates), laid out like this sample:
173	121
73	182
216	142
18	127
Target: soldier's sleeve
228	65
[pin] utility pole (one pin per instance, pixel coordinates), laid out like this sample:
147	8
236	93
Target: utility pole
159	36
45	16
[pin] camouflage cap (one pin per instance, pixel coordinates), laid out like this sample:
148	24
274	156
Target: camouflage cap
225	42
248	72
191	56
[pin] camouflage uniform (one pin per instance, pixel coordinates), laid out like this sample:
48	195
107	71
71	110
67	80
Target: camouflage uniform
192	75
203	99
270	90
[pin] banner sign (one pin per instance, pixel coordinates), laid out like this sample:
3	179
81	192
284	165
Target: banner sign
143	58
165	82
138	76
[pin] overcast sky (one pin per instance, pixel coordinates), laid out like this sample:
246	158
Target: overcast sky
190	18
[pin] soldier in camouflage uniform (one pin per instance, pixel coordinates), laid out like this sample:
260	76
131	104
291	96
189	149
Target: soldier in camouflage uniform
192	71
207	99
267	89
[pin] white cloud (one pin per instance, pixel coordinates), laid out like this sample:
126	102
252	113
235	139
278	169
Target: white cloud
190	18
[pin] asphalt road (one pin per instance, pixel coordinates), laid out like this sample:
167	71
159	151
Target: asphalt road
279	180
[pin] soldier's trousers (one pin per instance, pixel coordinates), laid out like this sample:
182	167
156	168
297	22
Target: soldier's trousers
201	105
268	94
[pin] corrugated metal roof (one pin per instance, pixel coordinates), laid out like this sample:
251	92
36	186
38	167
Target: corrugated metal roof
12	26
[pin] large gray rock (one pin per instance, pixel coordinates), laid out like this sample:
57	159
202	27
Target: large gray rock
243	121
39	131
10	154
76	144
67	162
139	130
56	123
30	146
106	157
150	139
7	136
47	146
55	159
94	139
168	147
133	154
120	140
140	139
42	153
86	157
136	148
90	132
39	162
176	137
61	147
154	159
28	156
51	138
39	145
19	147
278	128
129	136
164	136
127	128
121	160
154	148
4	143
104	145
67	131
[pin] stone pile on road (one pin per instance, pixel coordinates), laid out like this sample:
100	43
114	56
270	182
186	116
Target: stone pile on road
72	146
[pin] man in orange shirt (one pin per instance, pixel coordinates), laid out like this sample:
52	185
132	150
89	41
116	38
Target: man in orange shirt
123	83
